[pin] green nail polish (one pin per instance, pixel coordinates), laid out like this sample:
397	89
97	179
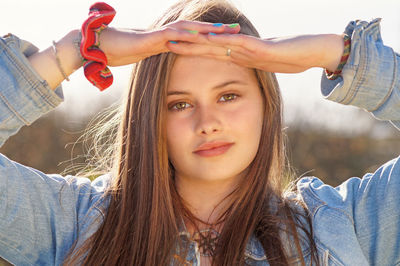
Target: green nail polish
234	25
192	31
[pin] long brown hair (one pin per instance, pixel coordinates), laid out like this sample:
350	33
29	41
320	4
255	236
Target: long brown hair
141	226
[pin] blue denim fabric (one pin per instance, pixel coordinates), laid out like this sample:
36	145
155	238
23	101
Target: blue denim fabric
356	223
40	215
370	79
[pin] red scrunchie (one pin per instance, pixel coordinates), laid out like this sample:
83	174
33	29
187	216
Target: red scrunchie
95	63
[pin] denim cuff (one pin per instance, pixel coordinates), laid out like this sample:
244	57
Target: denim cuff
23	92
369	76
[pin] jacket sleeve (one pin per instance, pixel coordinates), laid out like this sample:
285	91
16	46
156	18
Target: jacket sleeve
370	78
360	219
24	96
40	214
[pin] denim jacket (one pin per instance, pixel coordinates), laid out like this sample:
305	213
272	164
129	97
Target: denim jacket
356	223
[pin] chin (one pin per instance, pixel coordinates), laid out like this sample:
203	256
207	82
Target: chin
212	177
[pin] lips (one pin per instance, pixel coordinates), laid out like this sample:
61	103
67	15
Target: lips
212	148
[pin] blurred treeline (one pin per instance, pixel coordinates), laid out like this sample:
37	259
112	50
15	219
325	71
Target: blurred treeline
50	145
334	157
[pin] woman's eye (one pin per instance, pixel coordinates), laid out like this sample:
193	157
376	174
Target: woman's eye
229	97
179	106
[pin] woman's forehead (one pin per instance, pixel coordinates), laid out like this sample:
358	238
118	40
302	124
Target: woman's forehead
195	71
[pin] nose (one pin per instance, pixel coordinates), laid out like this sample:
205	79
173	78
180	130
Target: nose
207	121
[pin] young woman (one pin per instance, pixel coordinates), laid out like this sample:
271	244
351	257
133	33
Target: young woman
199	158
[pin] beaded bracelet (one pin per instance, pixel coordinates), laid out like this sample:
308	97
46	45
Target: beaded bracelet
95	61
343	60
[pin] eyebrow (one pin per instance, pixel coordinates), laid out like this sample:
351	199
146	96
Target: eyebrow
220	86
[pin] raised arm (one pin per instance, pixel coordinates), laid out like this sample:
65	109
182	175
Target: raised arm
121	47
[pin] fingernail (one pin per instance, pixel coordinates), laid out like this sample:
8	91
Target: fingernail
218	24
174	42
192	31
234	25
212	33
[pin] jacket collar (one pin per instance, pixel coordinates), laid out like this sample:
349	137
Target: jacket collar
254	250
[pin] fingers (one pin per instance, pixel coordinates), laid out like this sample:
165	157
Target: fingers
234	54
183	35
186	48
204	27
216	52
206	48
195	31
251	43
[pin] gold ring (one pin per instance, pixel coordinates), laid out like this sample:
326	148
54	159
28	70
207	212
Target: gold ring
228	52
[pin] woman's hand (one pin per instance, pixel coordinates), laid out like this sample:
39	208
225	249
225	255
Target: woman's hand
285	55
130	46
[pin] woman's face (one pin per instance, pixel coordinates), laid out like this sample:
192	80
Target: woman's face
212	102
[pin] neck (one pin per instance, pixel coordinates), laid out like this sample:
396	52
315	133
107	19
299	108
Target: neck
206	200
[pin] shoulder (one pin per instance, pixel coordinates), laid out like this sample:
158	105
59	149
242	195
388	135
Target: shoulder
92	203
351	193
347	219
91	194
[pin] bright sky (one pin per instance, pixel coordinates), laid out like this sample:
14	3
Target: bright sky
42	21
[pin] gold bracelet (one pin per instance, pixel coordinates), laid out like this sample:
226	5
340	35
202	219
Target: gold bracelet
77	43
59	62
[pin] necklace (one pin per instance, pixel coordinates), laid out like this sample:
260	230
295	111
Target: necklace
207	240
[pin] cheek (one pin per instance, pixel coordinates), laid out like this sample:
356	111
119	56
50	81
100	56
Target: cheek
248	118
247	122
177	132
